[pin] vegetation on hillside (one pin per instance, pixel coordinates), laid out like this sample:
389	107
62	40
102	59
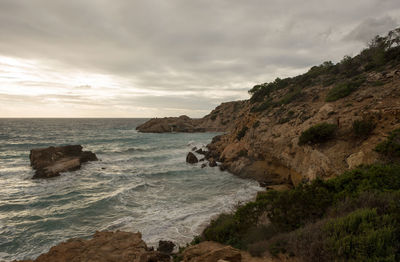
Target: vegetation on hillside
345	77
317	134
354	217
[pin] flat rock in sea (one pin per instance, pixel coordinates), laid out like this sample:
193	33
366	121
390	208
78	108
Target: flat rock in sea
51	161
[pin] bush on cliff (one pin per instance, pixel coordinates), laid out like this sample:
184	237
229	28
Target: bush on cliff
390	148
380	53
363	128
354	216
342	90
242	133
317	134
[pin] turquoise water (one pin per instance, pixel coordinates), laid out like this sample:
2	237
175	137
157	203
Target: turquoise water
142	183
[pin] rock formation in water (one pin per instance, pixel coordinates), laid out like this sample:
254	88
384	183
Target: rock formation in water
103	247
51	161
191	158
219	120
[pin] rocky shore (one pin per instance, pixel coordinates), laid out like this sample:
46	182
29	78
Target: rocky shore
263	144
129	247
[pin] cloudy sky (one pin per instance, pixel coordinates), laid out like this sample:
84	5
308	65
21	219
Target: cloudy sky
146	58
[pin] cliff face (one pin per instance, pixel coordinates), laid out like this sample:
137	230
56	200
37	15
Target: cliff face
264	145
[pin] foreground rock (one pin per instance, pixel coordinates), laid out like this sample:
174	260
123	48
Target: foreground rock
103	247
215	252
51	161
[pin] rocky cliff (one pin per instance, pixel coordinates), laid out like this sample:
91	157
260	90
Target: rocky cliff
359	96
264	145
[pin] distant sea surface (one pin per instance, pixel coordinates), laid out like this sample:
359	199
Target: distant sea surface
141	183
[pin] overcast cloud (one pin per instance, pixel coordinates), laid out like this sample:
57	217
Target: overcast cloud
120	58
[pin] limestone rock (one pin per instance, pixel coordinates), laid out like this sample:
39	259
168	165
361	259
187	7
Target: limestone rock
103	247
51	161
211	252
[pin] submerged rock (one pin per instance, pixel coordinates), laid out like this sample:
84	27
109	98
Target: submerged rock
191	158
51	161
104	246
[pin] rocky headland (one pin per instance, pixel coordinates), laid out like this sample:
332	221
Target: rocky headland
219	120
329	142
51	161
261	139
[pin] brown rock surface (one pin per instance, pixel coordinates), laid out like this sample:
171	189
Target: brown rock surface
209	251
269	152
51	161
103	247
191	158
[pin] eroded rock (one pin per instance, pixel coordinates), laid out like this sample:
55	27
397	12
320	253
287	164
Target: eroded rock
103	247
51	161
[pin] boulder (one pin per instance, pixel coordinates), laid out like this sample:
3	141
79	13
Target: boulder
201	151
211	252
212	163
191	158
103	247
51	161
165	247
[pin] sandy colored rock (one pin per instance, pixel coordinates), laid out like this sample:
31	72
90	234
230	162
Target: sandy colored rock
268	151
209	251
103	247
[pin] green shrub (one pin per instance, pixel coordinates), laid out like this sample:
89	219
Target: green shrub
317	134
342	90
363	235
306	209
290	97
242	133
263	106
390	148
213	117
363	128
224	229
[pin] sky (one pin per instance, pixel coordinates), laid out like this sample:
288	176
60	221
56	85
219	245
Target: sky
156	58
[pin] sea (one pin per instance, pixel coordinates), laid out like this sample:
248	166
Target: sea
140	183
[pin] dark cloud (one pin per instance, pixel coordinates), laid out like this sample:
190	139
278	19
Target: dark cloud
371	27
172	48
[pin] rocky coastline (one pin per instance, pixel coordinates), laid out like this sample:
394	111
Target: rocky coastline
264	145
336	123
